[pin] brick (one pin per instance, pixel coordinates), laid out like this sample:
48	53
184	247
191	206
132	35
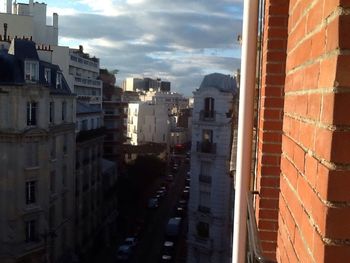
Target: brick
269	246
327	72
311	169
337	225
289	170
314	106
269	159
267	225
344	33
312	74
308	135
314	16
323	143
271	114
271	125
340	148
343	69
318	41
299	158
268	203
266	235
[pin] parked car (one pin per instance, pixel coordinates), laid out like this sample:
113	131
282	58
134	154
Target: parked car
183	203
131	241
161	192
172	229
124	253
170	178
153	203
167	251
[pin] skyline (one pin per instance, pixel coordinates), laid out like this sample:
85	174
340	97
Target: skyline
180	42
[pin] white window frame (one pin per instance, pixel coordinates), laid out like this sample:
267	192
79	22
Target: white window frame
31	71
47	75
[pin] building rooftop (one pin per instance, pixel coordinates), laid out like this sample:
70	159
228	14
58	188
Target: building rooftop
219	81
12	67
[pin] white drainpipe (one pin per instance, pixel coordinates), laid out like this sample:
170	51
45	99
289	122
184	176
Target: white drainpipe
245	127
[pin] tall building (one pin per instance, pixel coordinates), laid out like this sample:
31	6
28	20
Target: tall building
37	145
211	184
115	117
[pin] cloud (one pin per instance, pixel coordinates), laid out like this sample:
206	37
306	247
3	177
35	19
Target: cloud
178	40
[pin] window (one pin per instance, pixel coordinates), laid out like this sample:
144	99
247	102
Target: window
31	71
31	231
51	112
30	192
64	111
209	107
65	144
53	148
204	199
203	229
64	175
52	182
47	75
207	136
32	154
58	81
52	212
64	206
32	108
84	125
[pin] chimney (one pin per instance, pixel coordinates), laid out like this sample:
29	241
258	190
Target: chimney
55	20
9	7
81	49
5	30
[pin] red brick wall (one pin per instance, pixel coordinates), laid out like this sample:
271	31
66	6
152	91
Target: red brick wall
314	210
303	174
270	122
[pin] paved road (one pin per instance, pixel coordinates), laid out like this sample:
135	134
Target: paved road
149	249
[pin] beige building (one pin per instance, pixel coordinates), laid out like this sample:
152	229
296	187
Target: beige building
36	158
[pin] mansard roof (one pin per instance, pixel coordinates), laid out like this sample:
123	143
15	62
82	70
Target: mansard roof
12	67
219	81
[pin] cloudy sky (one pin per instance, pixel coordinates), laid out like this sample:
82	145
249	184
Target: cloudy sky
176	40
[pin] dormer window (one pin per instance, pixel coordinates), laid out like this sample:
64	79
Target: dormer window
58	80
47	75
31	70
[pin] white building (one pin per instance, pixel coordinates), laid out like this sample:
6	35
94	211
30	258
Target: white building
29	20
211	184
147	122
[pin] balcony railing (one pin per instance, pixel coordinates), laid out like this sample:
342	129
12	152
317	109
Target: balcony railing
254	251
206	147
205	179
204	209
205	115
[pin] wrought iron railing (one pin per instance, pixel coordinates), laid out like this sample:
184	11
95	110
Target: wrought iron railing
254	251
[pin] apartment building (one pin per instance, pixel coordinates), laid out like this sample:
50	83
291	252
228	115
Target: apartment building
115	117
210	201
37	158
147	122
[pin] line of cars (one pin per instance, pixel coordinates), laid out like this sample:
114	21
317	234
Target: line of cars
175	224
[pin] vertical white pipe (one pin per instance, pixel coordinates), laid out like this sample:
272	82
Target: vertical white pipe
245	127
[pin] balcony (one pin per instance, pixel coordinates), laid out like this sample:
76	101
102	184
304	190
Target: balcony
205	115
254	251
93	83
203	243
204	209
85	135
206	147
205	179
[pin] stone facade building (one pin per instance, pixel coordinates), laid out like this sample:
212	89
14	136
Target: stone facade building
37	158
209	209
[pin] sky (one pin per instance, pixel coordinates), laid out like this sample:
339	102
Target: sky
176	40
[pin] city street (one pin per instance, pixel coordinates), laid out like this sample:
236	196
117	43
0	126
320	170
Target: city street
152	234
